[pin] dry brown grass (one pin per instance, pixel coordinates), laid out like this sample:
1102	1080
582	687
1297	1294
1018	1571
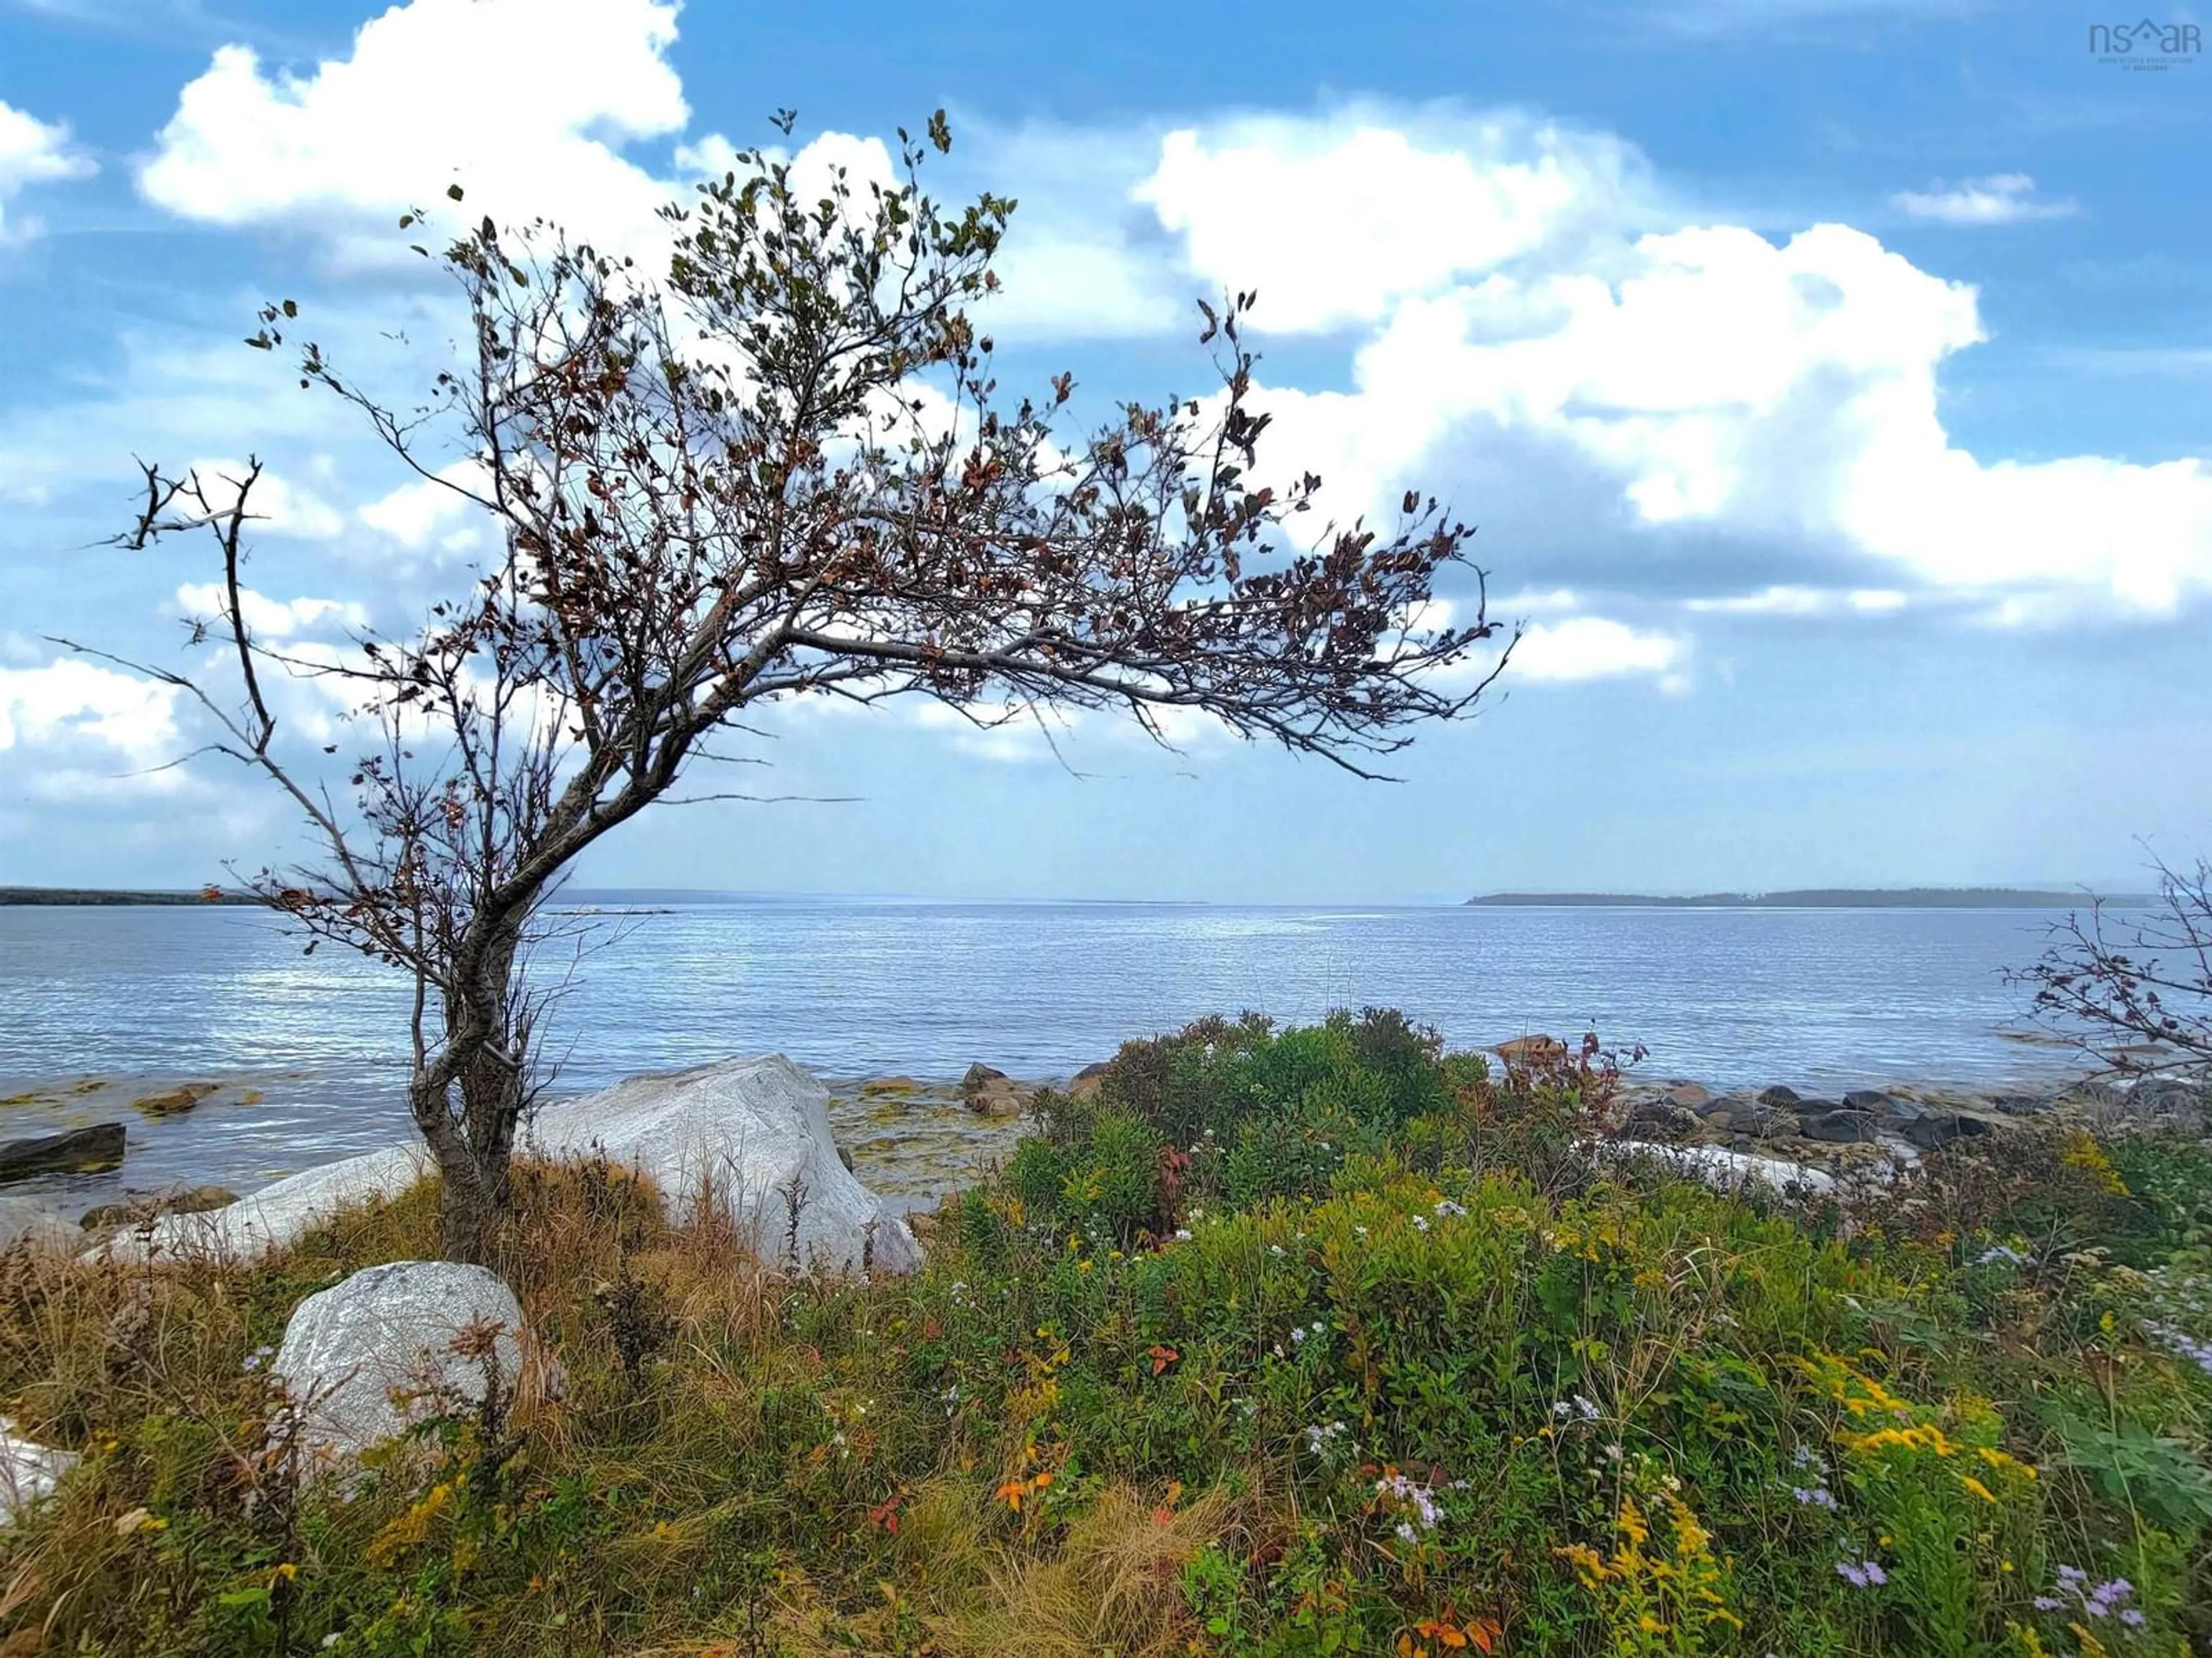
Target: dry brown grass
1113	1584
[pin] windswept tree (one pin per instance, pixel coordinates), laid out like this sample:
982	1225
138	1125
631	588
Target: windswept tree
2131	986
783	470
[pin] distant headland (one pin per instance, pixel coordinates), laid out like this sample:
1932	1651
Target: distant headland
114	895
1806	898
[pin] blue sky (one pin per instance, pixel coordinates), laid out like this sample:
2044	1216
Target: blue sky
1831	383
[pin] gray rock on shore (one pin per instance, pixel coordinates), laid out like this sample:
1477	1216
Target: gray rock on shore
752	1136
392	1343
1824	1119
276	1215
141	1207
25	1222
28	1470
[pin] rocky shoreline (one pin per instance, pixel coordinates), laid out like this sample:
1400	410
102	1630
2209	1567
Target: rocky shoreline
913	1141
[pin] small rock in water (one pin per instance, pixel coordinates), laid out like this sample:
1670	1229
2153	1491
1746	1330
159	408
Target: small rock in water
176	1101
1690	1097
991	1092
1780	1096
1869	1099
1527	1050
75	1151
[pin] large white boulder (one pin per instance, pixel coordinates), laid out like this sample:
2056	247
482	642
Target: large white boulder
276	1215
28	1470
374	1353
754	1136
1718	1167
754	1131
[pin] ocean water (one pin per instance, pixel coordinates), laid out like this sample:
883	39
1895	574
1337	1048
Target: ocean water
99	1005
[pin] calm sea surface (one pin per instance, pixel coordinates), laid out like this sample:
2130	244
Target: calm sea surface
110	1001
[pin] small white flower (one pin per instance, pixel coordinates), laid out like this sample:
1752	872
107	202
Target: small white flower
1182	1235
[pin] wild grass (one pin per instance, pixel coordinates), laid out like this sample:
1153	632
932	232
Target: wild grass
1320	1341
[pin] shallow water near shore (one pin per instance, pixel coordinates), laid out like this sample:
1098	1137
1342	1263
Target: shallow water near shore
102	1006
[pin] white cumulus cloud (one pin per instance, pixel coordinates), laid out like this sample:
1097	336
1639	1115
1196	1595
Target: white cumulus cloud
1334	221
524	102
1595	647
33	152
64	706
271	618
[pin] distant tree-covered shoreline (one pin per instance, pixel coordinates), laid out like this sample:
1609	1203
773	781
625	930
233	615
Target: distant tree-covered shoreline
1809	898
108	895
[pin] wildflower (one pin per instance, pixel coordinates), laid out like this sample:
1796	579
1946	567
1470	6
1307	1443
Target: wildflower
1276	1250
1182	1235
1405	1530
2102	1601
1862	1574
1446	1206
1976	1487
1323	1434
1804	1457
1420	1223
1816	1496
259	1357
2000	1252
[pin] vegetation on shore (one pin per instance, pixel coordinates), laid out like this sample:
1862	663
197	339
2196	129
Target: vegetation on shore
1315	1341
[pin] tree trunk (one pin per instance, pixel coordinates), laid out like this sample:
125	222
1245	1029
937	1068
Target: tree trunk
467	1203
486	1055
